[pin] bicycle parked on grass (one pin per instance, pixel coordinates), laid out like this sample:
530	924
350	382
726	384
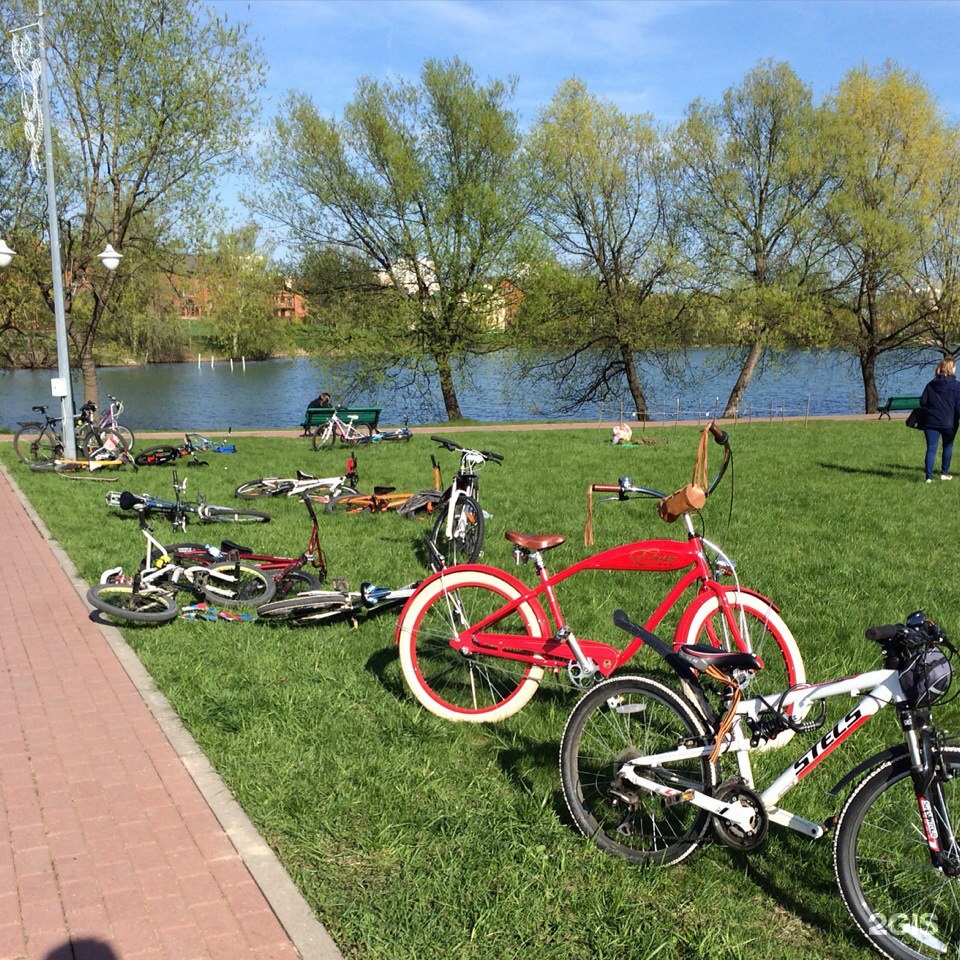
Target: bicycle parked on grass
641	773
148	596
458	529
353	433
324	489
290	574
178	510
39	442
475	641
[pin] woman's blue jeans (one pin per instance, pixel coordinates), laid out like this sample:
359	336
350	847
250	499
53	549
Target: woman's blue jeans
933	438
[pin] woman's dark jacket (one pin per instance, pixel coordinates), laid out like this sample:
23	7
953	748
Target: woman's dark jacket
940	403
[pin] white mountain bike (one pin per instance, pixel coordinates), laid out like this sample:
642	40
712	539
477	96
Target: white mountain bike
640	766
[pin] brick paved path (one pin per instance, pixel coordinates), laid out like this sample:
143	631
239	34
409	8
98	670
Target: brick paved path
107	848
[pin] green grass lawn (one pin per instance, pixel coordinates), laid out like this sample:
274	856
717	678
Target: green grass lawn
416	838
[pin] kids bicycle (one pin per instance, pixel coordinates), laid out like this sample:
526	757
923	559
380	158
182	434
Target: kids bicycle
290	574
641	774
148	596
475	641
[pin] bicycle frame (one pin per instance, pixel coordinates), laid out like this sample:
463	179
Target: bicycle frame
558	647
883	688
465	484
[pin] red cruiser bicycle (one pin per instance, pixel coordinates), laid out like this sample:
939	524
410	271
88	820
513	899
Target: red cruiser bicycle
475	641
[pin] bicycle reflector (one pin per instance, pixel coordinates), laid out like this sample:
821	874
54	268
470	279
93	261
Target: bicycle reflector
926	676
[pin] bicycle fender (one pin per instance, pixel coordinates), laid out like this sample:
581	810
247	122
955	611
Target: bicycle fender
475	568
891	753
704	596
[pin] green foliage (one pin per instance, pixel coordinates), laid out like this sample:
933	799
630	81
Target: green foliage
602	180
423	181
891	143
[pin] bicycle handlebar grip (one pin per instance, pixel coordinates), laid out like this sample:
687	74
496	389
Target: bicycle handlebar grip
718	434
449	444
887	632
605	487
40	409
492	456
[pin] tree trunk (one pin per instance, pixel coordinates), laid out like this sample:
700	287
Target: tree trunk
732	408
633	382
447	388
868	370
88	366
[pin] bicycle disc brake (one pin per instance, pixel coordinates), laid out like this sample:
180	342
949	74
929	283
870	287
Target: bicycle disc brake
733	835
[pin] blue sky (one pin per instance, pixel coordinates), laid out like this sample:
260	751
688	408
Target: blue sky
653	56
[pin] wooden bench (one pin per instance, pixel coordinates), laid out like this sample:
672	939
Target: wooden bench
899	403
318	416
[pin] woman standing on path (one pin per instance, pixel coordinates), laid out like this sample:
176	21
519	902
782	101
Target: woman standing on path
940	405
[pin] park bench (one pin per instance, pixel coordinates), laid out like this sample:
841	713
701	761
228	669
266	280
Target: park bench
899	403
318	416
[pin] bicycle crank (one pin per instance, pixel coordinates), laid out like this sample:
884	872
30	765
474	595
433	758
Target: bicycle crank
743	838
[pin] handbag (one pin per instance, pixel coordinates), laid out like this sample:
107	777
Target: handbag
915	419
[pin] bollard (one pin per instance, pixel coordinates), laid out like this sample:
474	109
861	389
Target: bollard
231	364
211	361
198	361
243	361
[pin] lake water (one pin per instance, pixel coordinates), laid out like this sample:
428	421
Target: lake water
274	393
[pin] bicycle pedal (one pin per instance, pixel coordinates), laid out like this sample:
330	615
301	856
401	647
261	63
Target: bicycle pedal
830	824
486	516
674	798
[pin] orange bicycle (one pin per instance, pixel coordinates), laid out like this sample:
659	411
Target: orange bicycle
384	499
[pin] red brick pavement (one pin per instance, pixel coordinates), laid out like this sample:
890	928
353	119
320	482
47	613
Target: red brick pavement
107	847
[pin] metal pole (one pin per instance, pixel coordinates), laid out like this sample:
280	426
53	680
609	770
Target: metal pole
63	348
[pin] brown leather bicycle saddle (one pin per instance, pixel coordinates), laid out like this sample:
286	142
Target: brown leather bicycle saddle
545	541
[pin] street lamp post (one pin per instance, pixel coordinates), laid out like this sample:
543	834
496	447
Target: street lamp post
35	69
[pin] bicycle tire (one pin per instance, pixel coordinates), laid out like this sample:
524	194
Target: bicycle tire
127	437
35	443
256	489
250	588
229	515
318	601
139	608
587	777
475	689
295	582
322	440
466	544
158	456
890	851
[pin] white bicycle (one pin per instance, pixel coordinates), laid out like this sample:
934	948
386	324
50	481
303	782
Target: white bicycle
640	763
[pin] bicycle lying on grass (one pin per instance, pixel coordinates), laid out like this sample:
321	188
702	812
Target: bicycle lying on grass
640	767
194	443
290	574
458	529
475	641
325	606
148	596
385	499
178	510
108	459
324	489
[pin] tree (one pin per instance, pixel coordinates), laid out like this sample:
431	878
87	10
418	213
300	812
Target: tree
243	286
753	172
891	144
423	181
154	99
602	184
937	282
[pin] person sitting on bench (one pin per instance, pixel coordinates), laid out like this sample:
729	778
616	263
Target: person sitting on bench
322	401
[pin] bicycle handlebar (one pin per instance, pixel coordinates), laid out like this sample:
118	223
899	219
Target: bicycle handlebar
452	445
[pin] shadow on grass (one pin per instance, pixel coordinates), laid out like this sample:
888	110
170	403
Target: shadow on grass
378	664
893	471
533	755
785	886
